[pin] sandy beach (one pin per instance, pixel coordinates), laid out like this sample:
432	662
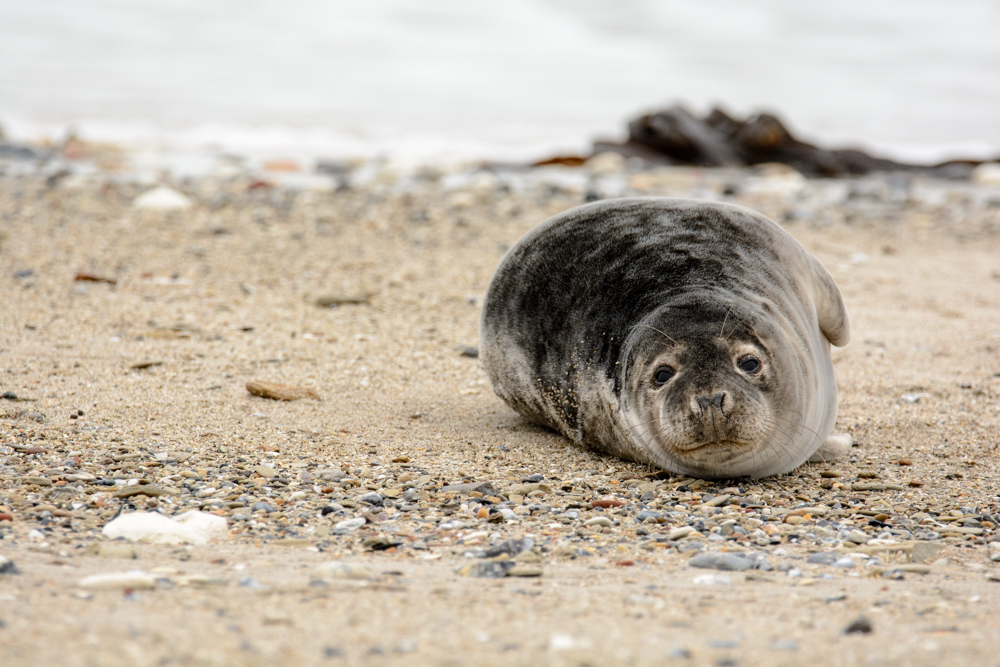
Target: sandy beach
128	336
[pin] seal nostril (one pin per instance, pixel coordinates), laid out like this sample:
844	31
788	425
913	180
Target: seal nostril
717	401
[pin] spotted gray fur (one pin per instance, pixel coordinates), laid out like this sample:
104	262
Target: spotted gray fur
583	311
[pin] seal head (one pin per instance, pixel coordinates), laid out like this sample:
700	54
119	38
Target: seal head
694	336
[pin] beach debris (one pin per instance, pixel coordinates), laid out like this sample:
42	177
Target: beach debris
131	579
194	527
279	392
677	136
334	300
162	199
93	278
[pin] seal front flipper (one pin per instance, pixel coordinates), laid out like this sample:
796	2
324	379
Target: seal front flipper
830	308
833	447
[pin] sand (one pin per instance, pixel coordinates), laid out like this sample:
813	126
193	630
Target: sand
225	292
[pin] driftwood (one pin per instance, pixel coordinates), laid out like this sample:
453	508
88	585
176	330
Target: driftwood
676	136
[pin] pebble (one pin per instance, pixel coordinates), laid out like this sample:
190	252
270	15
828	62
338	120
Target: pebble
511	547
493	569
262	507
857	537
372	498
680	533
162	199
192	527
266	472
721	561
350	524
279	392
602	521
148	490
823	558
7	566
860	625
130	579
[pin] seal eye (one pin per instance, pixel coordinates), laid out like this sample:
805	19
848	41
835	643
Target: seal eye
663	374
749	365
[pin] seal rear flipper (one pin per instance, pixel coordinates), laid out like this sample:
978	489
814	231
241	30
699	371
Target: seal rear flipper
833	447
830	308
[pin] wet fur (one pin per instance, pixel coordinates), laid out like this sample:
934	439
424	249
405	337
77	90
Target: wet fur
582	309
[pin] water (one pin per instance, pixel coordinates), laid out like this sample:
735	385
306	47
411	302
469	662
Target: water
509	80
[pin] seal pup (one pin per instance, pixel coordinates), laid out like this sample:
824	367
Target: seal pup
690	335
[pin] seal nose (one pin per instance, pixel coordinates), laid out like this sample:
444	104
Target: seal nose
717	401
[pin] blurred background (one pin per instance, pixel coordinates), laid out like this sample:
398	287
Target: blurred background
910	79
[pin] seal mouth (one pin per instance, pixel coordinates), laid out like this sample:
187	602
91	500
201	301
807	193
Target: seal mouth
699	447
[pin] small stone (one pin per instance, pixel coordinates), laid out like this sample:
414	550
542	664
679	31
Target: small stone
162	199
266	472
524	571
279	392
860	625
381	543
262	507
846	563
150	490
606	503
602	521
131	579
721	561
192	527
350	524
857	537
39	481
824	558
492	569
7	566
831	473
680	533
334	300
372	498
511	547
